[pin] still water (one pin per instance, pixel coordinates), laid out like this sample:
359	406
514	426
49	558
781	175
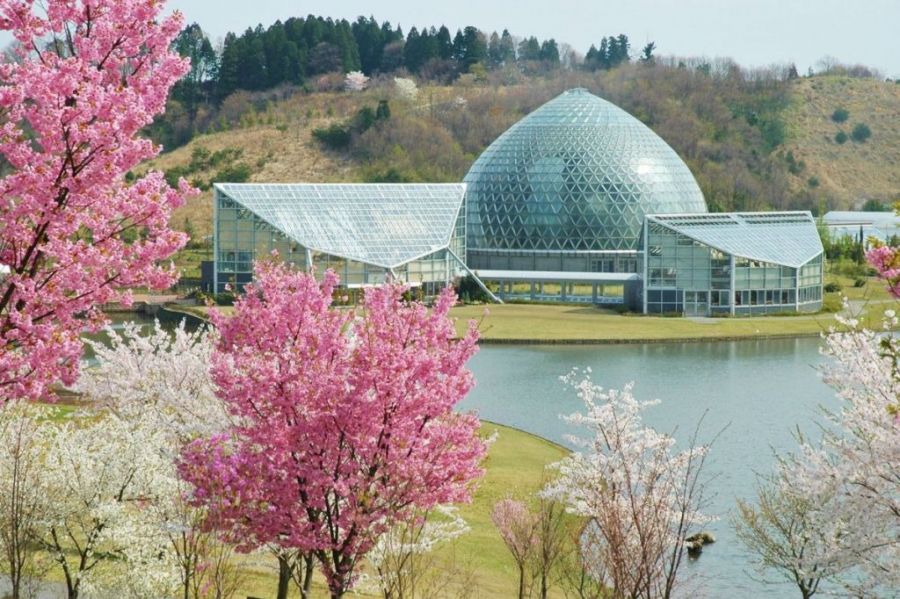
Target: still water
757	391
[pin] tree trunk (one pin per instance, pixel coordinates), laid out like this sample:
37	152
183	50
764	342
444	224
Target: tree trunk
307	576
284	577
521	582
543	585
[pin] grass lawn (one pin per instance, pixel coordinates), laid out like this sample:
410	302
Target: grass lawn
188	260
508	322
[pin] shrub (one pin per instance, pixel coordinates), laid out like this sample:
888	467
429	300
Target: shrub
861	132
813	181
225	299
859	283
468	290
237	173
335	137
840	137
832	287
391	175
832	304
840	115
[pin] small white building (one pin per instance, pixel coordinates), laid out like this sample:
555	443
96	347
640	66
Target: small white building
848	223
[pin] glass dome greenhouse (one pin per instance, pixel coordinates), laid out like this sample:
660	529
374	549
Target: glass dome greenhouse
576	176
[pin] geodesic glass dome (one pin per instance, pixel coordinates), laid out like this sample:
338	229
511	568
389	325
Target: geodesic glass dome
577	174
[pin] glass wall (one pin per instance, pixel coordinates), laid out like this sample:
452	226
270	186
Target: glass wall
685	276
242	237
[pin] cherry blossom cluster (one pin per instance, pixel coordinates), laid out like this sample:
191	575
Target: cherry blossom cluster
886	260
640	496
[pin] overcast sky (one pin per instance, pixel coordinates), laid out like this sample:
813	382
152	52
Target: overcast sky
753	32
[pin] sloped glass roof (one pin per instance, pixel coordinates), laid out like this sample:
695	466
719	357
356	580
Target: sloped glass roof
384	225
578	173
787	238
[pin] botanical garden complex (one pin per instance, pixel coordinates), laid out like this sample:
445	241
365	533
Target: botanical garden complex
577	202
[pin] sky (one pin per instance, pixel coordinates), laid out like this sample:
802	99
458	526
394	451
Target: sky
752	32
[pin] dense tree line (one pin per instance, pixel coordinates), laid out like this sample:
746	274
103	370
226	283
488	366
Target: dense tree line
293	51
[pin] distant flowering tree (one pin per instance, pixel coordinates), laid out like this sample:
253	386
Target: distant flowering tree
516	525
403	557
344	421
23	503
83	78
355	81
642	499
886	260
406	88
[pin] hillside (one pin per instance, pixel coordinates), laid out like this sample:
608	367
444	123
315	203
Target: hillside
751	145
852	172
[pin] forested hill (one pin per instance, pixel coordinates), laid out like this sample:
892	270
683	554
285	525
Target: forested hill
755	140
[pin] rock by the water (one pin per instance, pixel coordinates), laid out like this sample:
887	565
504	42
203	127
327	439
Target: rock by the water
703	538
694	548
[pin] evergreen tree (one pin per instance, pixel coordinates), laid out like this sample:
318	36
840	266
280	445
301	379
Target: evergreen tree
193	88
494	58
275	48
647	53
474	47
592	58
444	43
622	47
228	67
414	51
459	47
507	48
370	40
603	52
550	54
529	49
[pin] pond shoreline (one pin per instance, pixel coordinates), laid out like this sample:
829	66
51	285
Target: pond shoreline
175	310
645	341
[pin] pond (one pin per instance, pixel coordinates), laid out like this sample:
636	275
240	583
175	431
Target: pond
759	392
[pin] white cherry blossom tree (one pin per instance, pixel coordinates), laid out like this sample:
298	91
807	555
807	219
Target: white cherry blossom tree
22	504
832	511
641	496
161	379
100	475
355	81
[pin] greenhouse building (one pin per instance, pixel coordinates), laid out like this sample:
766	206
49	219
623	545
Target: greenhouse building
732	263
366	233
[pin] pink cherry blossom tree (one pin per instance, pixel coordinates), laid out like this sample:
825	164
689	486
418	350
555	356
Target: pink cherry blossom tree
516	526
344	419
84	77
886	260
